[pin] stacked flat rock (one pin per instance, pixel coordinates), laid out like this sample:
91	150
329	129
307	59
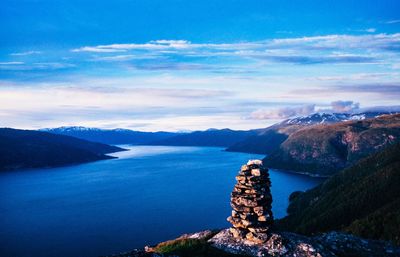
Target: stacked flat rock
251	203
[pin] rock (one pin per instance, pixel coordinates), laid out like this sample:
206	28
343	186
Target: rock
240	208
343	244
236	232
259	230
287	244
138	253
257	238
256	172
259	210
254	162
263	218
251	202
199	235
276	244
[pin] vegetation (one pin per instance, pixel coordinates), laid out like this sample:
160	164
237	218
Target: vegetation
363	199
264	143
33	149
211	137
191	247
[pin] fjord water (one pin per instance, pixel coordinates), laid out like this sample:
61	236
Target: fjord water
149	194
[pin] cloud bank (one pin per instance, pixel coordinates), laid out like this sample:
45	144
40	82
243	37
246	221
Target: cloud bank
304	50
193	85
339	106
283	113
344	106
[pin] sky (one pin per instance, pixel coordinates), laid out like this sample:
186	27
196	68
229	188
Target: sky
177	65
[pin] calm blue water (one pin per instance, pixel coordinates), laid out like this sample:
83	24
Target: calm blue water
149	194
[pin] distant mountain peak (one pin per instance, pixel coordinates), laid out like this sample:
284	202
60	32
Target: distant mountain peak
70	128
328	118
110	136
316	118
269	139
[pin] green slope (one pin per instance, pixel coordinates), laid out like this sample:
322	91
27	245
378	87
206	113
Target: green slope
363	199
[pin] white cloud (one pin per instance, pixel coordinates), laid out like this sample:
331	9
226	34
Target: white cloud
392	22
165	102
304	110
152	45
344	106
338	106
225	82
342	42
370	30
283	113
97	49
11	63
373	76
125	57
329	41
103	106
26	53
22	66
367	48
172	43
391	108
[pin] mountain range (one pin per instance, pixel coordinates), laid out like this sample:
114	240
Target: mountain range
111	136
269	139
325	149
210	137
318	144
21	149
262	141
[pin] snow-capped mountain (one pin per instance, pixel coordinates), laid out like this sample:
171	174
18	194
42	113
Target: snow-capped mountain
328	118
269	139
66	129
110	136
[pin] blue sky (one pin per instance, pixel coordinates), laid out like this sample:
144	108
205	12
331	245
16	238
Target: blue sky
173	65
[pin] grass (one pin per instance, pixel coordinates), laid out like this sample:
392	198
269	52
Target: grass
191	247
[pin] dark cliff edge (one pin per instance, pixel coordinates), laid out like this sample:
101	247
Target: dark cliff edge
25	149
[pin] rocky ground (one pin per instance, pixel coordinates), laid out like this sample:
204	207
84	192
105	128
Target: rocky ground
285	244
291	244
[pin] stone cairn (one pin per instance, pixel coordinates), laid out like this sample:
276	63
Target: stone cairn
251	203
